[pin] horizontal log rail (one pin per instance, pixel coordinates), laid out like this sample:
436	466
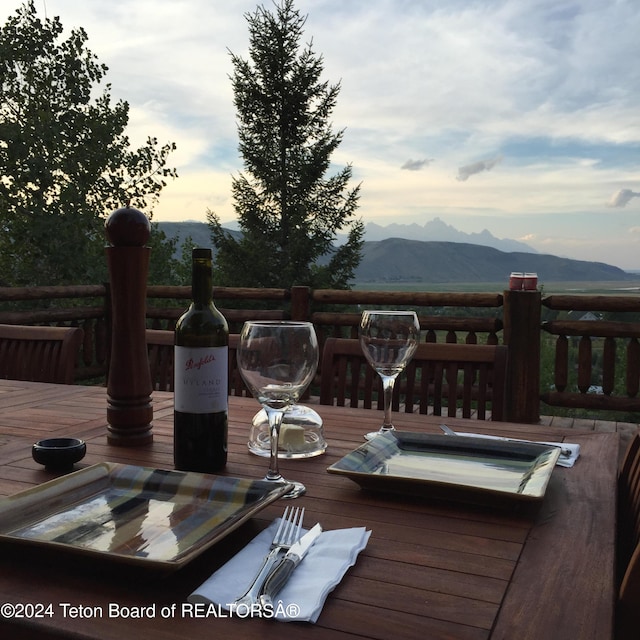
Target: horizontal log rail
590	401
592	328
52	293
407	298
592	303
219	293
604	354
333	323
52	315
231	315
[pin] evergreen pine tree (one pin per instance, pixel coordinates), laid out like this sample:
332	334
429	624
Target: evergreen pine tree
288	211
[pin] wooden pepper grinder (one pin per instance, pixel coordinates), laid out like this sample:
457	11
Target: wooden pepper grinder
129	408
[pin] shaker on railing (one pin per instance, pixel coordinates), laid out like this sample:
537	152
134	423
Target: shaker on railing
519	281
129	408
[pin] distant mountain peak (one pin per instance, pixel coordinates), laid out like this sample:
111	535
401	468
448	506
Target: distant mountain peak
437	230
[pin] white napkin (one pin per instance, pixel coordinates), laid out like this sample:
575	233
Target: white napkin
567	457
302	598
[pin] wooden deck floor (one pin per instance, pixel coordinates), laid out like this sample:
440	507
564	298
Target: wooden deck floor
626	429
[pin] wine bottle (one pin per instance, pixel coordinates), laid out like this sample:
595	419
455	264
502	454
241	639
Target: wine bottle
201	377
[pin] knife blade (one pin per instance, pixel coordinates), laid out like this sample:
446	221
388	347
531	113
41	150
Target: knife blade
281	573
564	452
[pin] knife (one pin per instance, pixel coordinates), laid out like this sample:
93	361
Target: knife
564	452
281	573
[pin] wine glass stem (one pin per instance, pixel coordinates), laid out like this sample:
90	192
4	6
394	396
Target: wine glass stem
275	421
387	388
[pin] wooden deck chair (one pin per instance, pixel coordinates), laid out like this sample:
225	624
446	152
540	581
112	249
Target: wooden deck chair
628	551
39	354
161	359
456	379
160	352
237	387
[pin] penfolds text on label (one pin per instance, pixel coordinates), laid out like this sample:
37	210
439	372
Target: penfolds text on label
198	363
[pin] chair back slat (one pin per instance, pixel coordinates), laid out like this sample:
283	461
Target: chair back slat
439	374
451	378
39	354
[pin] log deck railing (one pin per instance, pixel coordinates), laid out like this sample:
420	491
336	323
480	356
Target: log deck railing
619	351
513	318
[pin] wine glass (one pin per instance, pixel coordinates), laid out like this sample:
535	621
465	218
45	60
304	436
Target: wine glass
277	361
388	340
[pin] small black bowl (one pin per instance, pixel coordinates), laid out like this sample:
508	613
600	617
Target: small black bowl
59	454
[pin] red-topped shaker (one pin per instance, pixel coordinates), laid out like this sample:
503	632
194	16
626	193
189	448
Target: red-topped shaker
516	280
530	282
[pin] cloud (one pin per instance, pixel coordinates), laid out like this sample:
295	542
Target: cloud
476	167
622	197
416	165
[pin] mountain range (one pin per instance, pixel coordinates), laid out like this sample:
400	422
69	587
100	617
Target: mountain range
439	230
438	253
401	260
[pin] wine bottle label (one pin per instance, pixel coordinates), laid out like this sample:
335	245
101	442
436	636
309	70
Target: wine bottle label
201	379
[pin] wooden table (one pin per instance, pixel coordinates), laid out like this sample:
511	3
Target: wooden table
430	570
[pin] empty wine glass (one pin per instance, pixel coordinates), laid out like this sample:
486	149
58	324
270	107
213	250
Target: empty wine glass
277	361
388	340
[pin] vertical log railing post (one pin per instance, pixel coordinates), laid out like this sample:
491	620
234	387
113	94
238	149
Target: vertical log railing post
129	408
522	333
300	304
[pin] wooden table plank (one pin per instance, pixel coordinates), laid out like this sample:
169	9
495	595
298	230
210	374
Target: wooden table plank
573	560
431	569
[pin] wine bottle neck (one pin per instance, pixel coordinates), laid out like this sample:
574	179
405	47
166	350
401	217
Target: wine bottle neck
201	281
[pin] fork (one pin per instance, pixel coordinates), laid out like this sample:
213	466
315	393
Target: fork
287	533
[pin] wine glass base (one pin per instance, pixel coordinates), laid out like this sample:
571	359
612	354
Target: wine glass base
372	434
297	488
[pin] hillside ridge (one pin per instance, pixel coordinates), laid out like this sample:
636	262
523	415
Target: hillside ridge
401	260
438	261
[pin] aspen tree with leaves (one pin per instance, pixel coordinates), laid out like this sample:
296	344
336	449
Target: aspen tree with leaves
65	159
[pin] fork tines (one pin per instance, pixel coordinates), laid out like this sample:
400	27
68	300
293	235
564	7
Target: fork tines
290	525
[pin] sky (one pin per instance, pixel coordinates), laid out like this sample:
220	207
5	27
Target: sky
521	117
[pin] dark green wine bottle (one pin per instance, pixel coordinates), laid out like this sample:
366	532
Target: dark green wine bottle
201	377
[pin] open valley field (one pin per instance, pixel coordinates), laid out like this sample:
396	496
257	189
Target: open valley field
627	287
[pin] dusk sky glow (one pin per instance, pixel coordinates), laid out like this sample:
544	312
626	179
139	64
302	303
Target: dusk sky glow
517	116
